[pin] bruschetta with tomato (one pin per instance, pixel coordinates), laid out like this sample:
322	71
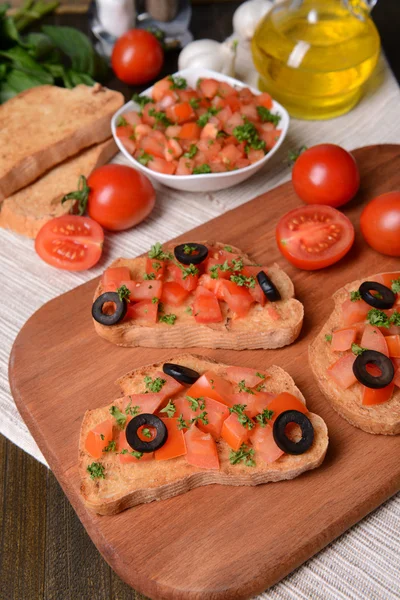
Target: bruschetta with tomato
194	422
356	356
206	294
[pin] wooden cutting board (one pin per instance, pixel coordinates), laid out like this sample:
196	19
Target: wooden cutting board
214	542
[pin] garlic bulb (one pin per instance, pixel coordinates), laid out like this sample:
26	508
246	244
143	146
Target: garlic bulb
248	15
209	54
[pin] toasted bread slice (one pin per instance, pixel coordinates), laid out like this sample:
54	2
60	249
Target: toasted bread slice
257	330
127	485
380	418
27	210
45	125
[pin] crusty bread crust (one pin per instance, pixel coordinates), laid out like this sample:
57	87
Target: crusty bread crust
381	418
43	126
27	210
256	330
136	483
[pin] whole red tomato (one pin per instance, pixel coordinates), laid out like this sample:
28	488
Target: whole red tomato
137	57
119	197
326	174
380	223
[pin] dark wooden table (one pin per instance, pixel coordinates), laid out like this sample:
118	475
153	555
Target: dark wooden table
45	554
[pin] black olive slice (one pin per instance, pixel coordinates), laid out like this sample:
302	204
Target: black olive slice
151	420
116	316
180	373
384	299
381	361
282	440
269	289
194	256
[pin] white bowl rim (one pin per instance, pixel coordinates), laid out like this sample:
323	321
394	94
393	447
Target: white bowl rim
206	73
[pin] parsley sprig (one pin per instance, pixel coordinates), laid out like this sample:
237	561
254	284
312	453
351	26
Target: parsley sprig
193	149
118	416
355	296
267	116
196	403
144	158
201	169
134	453
96	471
160	117
157	252
111	446
249	134
132	410
243	281
154	385
141	100
396	286
123	292
243	388
168	319
357	350
177	83
238	409
169	409
263	418
244	455
205	117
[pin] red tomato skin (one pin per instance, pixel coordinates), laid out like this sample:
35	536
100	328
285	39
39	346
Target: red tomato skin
137	57
342	371
119	197
372	396
326	174
380	223
201	449
61	240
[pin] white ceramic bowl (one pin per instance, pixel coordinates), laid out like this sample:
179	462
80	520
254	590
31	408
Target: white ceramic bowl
207	182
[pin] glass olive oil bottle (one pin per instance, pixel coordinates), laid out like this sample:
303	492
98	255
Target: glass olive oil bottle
314	56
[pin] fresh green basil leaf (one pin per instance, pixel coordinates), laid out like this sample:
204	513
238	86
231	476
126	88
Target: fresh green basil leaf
3	71
39	45
21	60
9	32
78	78
6	92
20	81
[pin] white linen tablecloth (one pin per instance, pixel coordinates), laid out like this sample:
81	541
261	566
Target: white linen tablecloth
364	562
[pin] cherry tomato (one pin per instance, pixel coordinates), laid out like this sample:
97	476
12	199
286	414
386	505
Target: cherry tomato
314	237
70	242
326	174
380	223
137	57
119	197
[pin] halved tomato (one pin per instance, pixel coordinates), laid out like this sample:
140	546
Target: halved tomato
201	449
342	339
233	432
373	339
206	307
213	386
173	293
264	444
145	310
372	396
342	371
143	290
99	437
175	444
315	236
70	242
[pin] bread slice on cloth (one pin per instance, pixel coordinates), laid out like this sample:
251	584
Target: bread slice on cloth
127	485
257	330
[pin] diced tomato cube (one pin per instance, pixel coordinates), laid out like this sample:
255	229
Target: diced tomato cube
173	293
185	166
342	371
230	154
224	115
180	112
249	376
142	130
212	386
146	118
396	378
255	155
373	339
144	310
233	102
387	278
143	290
217	166
209	131
156	267
160	165
201	449
124	131
206	307
129	144
218	102
354	312
233	432
208	87
285	401
250	112
147	403
160	88
190	131
133	118
167	100
226	90
245	95
237	298
342	339
235	120
128	457
186	95
114	276
152	146
264	100
263	442
169	388
173	150
372	396
173	131
99	437
393	344
175	444
188	282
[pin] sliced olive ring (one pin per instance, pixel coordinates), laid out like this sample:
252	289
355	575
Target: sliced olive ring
269	289
384	299
150	420
115	317
198	253
181	373
282	440
378	359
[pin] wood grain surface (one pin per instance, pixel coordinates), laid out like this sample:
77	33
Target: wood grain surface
214	542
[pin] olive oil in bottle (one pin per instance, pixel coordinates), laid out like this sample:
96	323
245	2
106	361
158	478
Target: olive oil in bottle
314	56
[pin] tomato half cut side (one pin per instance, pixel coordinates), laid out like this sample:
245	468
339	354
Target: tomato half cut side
70	242
313	237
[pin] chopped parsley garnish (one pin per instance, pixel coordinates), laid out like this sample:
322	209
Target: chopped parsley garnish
357	350
188	249
395	319
123	292
264	417
118	416
177	83
144	158
215	268
238	409
261	375
242	387
160	117
132	410
154	385
200	170
203	120
111	446
194	103
191	152
134	453
182	424
169	319
355	296
244	455
187	270
260	387
96	471
267	116
228	248
249	134
170	409
155	300
241	281
141	100
328	337
122	122
293	155
237	264
102	436
188	310
196	403
156	252
396	286
146	432
149	276
378	318
201	417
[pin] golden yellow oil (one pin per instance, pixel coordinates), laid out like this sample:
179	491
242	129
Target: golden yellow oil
314	56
